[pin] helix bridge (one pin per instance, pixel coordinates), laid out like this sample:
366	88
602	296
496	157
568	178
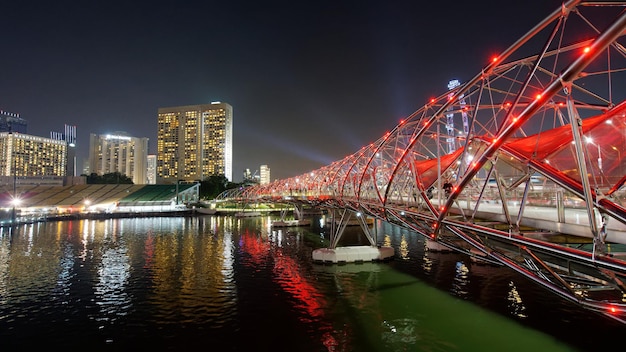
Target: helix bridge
520	166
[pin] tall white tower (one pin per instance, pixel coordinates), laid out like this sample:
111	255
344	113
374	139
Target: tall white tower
265	175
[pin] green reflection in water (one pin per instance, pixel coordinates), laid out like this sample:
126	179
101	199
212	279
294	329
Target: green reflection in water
392	311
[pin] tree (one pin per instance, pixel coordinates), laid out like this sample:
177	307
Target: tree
110	178
214	185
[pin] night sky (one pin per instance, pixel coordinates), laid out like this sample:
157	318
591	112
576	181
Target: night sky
309	81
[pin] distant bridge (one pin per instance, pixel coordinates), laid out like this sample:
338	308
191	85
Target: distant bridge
521	165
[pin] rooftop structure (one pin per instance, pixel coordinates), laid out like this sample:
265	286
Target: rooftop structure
40	201
12	122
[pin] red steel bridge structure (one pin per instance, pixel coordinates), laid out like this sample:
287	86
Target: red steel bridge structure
522	165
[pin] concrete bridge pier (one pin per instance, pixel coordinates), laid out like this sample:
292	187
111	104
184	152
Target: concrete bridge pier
351	254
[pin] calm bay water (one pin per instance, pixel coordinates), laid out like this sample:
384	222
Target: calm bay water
173	283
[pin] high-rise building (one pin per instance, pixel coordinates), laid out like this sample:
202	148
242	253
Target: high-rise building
151	175
69	136
265	175
121	153
195	142
12	122
24	155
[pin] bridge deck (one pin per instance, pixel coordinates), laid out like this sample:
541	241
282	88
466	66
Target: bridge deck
575	221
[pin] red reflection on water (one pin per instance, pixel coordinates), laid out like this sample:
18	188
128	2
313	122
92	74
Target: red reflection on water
255	246
288	273
288	276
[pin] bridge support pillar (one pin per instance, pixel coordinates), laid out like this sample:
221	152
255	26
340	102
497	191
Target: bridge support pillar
349	254
338	226
298	211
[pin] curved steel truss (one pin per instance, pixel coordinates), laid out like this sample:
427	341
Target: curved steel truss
521	165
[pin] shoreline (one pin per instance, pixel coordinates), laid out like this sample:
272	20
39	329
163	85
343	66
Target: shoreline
123	215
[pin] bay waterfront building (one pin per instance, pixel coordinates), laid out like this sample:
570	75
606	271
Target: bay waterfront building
24	157
194	142
121	153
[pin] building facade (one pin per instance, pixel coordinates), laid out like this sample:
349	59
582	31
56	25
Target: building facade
23	155
265	175
152	169
69	136
194	142
121	153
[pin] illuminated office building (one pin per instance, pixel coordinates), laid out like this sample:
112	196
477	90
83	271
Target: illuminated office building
195	142
23	155
109	153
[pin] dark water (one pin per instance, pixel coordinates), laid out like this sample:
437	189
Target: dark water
220	283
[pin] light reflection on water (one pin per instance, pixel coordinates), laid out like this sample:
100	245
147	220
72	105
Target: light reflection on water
167	283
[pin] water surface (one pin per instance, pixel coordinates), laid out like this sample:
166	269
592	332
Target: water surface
173	283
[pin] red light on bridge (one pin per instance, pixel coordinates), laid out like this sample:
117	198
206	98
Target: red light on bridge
586	50
614	310
538	96
494	59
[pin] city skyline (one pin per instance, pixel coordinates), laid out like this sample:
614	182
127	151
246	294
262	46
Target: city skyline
309	82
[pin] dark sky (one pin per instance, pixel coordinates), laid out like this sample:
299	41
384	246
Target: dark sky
309	81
